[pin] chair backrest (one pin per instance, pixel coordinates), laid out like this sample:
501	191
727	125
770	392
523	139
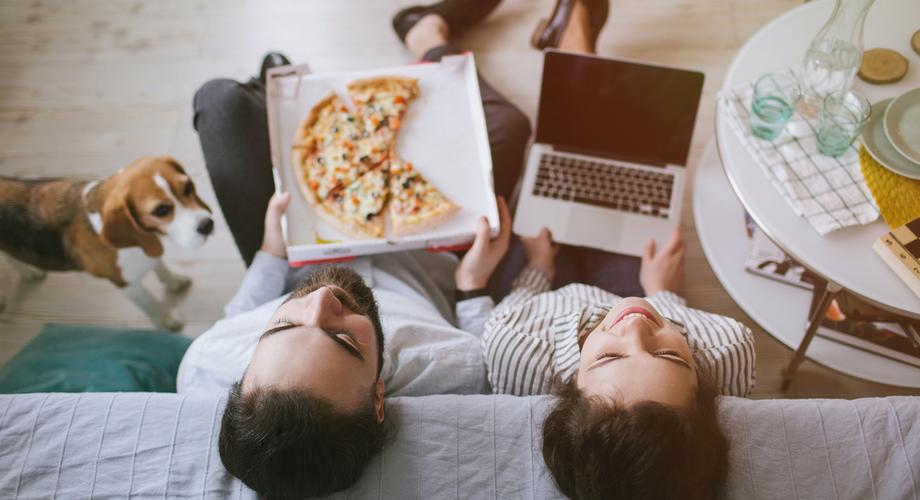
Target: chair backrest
165	445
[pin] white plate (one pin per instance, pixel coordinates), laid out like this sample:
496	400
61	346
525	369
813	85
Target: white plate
878	145
902	124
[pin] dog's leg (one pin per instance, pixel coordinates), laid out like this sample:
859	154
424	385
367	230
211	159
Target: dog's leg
28	273
160	315
174	282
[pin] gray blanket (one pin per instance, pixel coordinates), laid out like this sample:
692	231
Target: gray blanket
165	446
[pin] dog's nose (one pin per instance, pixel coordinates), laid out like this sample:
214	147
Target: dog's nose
206	226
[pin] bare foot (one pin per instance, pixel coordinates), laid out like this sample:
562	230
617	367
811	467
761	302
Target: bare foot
577	34
429	32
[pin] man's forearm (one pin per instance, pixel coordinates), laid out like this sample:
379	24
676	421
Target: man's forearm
264	281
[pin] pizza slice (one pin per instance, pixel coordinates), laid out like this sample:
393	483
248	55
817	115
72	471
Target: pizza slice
326	150
414	203
357	209
382	102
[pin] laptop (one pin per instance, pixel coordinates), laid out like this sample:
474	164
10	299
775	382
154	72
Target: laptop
607	167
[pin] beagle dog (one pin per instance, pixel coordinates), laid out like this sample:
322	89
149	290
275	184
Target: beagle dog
110	228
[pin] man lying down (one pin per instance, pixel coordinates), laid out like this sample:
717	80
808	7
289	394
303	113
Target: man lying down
307	372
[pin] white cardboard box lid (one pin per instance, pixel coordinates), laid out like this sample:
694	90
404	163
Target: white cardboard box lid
443	135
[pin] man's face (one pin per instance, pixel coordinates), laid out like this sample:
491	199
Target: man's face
322	340
634	355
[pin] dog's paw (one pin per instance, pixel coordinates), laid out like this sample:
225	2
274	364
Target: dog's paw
172	320
178	283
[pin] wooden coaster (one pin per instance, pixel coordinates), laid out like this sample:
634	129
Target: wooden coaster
915	42
882	66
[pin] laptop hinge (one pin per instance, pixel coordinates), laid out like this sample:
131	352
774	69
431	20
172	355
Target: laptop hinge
609	156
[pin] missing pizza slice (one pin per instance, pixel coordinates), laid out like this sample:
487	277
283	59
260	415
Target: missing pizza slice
357	209
414	203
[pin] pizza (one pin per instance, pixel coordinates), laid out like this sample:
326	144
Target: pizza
358	208
347	169
326	149
414	203
382	103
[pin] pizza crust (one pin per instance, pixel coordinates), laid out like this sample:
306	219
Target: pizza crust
371	229
408	224
384	83
304	146
304	138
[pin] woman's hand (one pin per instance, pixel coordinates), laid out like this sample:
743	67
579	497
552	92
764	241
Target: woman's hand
273	239
663	270
483	257
541	253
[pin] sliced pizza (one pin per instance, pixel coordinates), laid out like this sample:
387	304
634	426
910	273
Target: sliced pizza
414	203
326	149
382	102
357	210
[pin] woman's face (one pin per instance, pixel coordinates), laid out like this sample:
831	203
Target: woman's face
634	355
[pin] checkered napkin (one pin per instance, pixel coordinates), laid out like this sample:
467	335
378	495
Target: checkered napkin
829	192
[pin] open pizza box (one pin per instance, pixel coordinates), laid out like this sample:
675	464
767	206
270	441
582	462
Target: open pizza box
443	135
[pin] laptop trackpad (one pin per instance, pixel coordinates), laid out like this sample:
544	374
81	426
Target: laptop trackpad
597	230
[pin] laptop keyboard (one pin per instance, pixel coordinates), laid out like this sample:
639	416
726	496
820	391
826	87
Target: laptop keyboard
604	185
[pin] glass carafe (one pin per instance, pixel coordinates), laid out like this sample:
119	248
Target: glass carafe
834	55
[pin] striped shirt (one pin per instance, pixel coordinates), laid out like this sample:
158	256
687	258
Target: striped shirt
531	337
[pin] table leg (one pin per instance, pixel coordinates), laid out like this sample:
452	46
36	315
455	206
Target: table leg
830	290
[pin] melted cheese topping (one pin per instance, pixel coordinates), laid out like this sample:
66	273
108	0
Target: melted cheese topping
364	198
409	191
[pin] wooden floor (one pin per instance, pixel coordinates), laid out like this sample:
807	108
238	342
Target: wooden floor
88	85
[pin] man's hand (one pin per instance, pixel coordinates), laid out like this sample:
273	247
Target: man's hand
485	254
664	270
273	239
541	253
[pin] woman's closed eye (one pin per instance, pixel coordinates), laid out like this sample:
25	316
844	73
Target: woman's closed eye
667	354
609	355
673	356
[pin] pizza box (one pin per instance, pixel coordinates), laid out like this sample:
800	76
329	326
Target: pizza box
443	135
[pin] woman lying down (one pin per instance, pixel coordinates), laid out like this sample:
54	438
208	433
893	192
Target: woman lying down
636	379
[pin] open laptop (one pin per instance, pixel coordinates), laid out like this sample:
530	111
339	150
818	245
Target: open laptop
607	168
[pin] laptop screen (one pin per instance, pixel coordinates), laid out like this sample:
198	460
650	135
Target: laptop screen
617	109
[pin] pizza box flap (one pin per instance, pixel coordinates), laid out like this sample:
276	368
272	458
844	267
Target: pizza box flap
443	135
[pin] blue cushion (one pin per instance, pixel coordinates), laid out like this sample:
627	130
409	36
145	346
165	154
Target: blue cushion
83	358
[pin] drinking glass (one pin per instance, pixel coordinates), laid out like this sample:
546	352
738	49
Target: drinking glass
840	122
775	97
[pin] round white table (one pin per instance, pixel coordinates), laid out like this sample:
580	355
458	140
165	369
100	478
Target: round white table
844	258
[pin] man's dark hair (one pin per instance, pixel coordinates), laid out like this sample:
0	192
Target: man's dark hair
287	443
596	448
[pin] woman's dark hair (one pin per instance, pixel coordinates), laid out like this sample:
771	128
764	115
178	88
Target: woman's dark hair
596	448
288	444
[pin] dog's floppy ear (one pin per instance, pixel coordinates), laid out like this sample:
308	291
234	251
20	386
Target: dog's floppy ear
175	164
120	228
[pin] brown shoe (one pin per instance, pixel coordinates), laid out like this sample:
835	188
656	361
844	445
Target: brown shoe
549	31
459	15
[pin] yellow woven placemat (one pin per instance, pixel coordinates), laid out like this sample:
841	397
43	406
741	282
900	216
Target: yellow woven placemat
897	197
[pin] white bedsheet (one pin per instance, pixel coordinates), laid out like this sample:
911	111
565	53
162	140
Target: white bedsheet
165	446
